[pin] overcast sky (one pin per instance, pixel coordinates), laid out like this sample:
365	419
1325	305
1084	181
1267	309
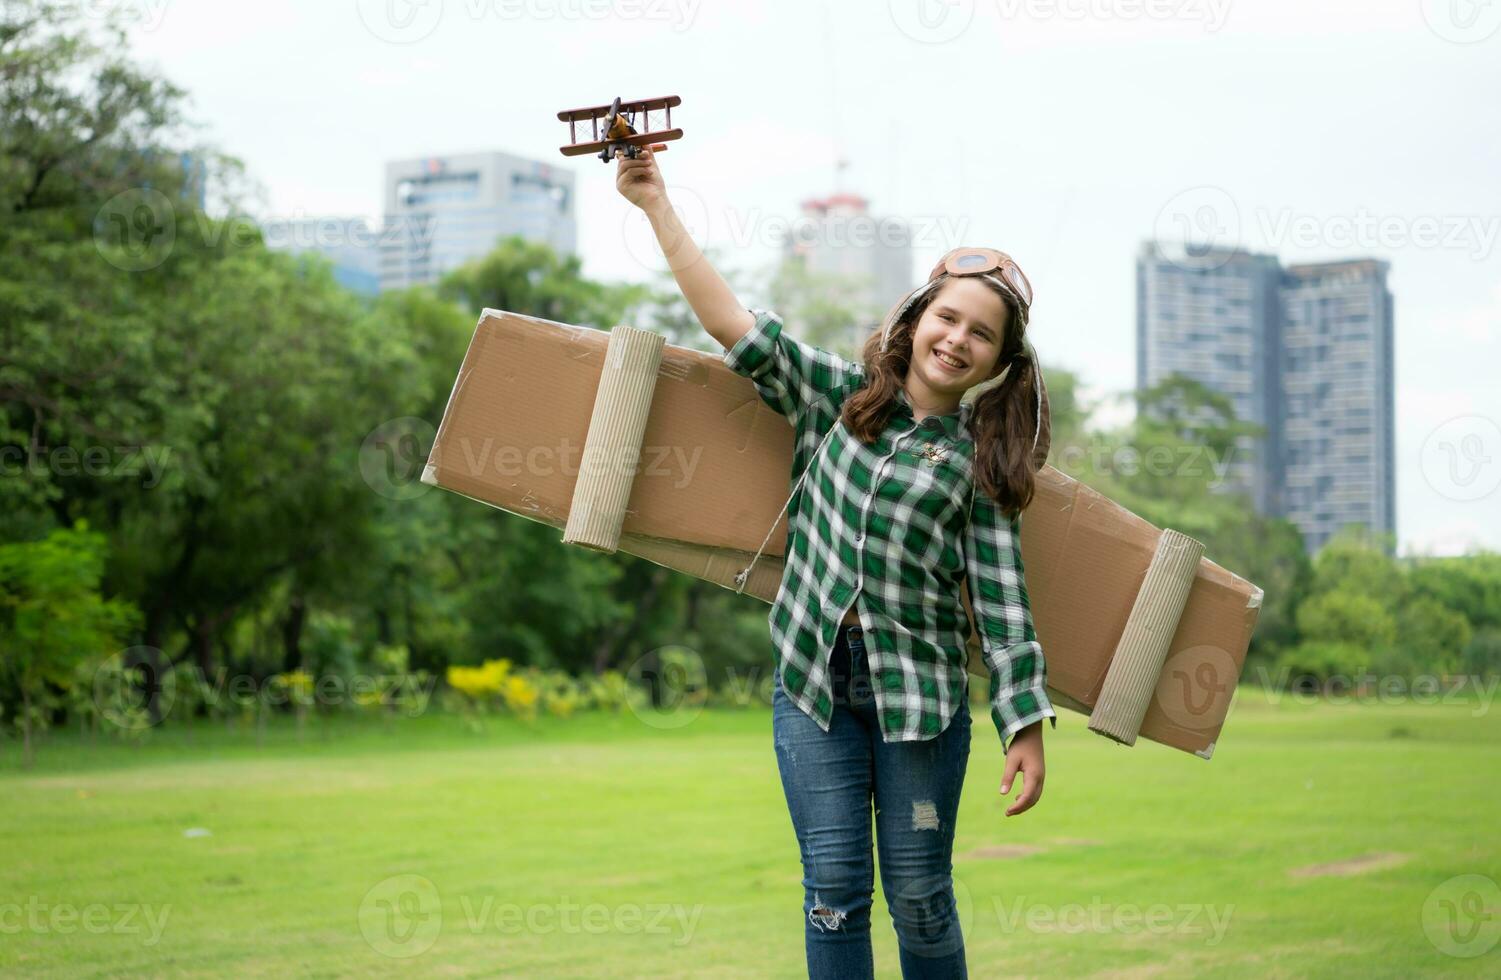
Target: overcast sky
1063	131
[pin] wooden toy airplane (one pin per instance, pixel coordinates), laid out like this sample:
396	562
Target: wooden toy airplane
620	132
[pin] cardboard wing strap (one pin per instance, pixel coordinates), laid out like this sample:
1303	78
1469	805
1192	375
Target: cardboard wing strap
612	449
1136	667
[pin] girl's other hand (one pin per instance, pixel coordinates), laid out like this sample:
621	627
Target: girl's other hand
1025	757
639	180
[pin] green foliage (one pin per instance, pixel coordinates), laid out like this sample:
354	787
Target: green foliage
610	691
1430	637
1392	611
1346	617
530	277
1353	562
330	645
663	308
1482	657
1318	660
828	309
53	620
112	692
1177	412
219	393
1469	585
247	438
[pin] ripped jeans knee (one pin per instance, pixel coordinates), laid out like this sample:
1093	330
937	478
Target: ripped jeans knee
831	916
825	918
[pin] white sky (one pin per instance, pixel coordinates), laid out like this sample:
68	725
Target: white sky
1063	131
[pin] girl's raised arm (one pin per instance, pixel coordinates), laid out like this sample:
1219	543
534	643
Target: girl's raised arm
722	315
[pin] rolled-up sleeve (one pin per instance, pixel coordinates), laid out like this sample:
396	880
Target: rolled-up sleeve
789	375
1003	615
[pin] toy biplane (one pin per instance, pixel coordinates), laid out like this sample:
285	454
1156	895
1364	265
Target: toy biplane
621	126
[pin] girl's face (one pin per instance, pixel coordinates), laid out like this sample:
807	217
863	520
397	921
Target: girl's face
965	323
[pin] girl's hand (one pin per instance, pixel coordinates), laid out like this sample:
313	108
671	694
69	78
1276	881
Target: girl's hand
1025	757
639	180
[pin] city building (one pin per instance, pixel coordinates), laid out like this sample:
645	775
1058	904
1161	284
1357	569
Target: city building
1305	351
1337	375
442	211
348	242
195	175
838	237
1213	317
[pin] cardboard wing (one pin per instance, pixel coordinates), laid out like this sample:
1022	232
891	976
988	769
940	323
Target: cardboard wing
663	452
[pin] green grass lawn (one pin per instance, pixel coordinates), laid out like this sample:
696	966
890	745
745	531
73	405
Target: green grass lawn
600	846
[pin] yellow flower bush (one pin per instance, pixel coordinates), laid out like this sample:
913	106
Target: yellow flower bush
526	691
521	696
299	684
483	683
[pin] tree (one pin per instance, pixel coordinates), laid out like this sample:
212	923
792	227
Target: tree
1353	561
663	308
52	617
165	376
823	309
529	277
1430	637
65	148
1482	658
1346	617
1469	585
1320	660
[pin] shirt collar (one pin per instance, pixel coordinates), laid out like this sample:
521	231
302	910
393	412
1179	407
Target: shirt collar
951	422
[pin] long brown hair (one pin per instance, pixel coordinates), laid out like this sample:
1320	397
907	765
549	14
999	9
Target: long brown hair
1002	418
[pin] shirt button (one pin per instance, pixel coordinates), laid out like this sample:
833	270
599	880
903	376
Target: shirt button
859	537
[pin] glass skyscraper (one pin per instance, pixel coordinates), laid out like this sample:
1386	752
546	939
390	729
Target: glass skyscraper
1304	351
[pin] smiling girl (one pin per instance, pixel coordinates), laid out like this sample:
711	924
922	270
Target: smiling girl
914	491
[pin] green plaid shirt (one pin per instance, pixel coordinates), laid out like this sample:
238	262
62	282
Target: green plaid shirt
892	528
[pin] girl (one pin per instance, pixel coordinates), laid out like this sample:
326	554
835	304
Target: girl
915	492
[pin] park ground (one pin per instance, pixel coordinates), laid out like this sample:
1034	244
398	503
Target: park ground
1358	839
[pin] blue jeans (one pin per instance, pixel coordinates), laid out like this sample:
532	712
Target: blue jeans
831	779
